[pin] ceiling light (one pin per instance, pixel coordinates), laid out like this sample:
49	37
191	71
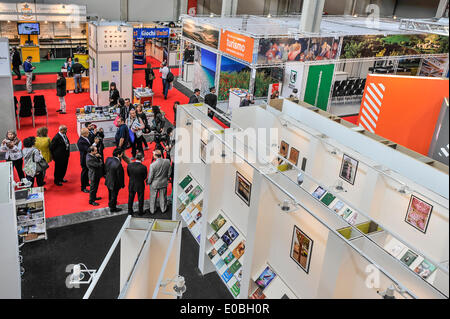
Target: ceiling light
269	15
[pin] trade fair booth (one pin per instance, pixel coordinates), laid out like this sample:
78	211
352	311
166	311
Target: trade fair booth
311	207
328	70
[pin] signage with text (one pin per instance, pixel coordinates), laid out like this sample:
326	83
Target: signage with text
237	45
146	33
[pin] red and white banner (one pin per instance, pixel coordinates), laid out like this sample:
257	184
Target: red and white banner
192	7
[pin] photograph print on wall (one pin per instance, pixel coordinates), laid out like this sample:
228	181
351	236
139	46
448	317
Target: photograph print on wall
348	170
243	188
293	156
419	213
301	249
284	151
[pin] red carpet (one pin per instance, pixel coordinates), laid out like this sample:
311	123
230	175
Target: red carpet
40	79
352	119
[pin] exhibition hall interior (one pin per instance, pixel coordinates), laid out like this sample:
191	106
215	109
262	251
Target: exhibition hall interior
224	149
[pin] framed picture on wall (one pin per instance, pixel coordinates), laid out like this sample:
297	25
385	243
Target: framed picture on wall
203	151
293	156
418	214
243	188
284	151
348	170
301	249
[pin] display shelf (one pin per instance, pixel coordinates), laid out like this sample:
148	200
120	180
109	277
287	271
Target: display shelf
29	226
267	284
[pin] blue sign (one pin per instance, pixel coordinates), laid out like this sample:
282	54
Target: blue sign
114	66
146	33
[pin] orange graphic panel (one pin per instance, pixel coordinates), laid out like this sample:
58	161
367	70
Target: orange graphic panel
237	45
403	109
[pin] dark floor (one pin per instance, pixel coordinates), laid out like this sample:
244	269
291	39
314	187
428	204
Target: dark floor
46	261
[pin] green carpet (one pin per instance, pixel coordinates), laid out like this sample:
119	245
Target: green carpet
52	66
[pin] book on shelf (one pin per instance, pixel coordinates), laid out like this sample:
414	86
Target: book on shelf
239	250
218	222
236	289
258	294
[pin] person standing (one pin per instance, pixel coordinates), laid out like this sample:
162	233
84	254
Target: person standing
60	150
137	173
77	70
83	145
32	159
136	126
211	100
246	101
16	63
114	94
12	147
96	137
95	166
140	114
68	66
43	144
175	106
28	68
149	76
61	92
194	98
164	70
158	179
115	178
122	138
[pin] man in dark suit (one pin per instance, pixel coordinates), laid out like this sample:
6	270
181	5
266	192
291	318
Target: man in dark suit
60	149
211	100
95	165
194	98
158	179
115	178
16	63
137	173
83	145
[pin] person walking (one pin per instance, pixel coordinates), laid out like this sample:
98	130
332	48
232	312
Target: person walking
77	70
140	114
12	147
95	166
43	144
114	94
135	126
33	167
194	98
61	92
83	145
16	63
149	76
60	150
164	70
115	178
137	174
158	179
28	68
211	100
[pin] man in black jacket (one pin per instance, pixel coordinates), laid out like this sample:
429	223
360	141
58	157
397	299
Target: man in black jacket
16	63
149	76
61	92
77	69
211	100
95	166
115	178
83	145
60	149
137	173
194	98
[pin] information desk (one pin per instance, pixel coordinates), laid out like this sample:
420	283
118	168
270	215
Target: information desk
236	97
106	122
70	83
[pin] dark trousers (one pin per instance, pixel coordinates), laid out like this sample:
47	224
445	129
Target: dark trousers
93	189
16	70
166	85
137	146
18	166
112	198
60	169
84	177
149	84
144	141
131	196
39	179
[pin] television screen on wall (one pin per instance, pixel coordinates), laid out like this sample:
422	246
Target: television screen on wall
28	28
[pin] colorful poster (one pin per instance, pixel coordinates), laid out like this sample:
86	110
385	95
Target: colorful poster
232	75
243	188
409	257
230	235
264	78
403	109
322	49
239	250
265	278
301	249
237	45
217	223
192	7
328	199
280	50
293	156
205	71
319	192
425	269
349	167
368	46
202	33
419	213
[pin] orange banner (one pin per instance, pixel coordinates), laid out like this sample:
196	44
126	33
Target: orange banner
403	109
237	45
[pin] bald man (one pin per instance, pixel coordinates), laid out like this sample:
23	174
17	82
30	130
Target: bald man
60	149
83	145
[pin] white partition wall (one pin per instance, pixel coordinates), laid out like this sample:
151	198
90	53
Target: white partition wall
8	118
346	243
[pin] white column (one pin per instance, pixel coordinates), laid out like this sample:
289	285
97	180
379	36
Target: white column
311	15
441	8
229	7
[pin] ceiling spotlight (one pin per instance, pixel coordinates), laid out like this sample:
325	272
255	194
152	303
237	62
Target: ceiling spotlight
285	206
355	16
211	15
269	15
403	189
395	17
46	22
9	21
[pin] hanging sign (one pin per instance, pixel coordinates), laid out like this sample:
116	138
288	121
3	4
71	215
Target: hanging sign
237	45
192	7
146	33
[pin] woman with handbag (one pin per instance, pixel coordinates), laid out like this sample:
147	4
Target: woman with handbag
140	113
12	147
135	127
35	164
43	144
149	76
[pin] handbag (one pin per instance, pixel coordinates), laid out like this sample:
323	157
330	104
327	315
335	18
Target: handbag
30	165
42	165
116	121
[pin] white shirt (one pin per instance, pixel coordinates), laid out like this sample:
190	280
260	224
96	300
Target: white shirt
14	153
164	71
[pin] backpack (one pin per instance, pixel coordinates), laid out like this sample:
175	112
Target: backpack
30	165
170	77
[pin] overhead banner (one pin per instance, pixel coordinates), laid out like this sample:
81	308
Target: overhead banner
29	11
147	33
237	45
192	7
201	33
368	46
403	109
